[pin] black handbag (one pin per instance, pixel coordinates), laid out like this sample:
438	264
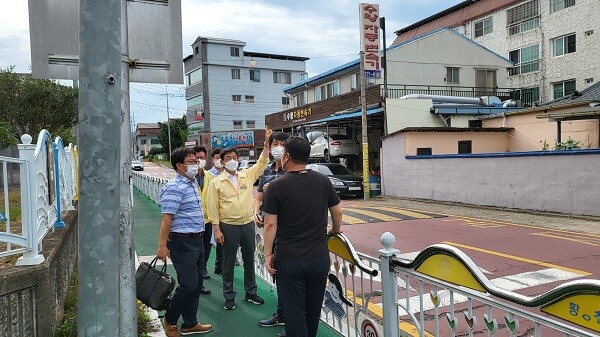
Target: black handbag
154	286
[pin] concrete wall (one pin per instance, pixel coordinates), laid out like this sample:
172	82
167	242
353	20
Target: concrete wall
566	183
32	298
447	142
529	133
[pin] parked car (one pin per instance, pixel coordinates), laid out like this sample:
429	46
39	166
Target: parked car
137	165
343	180
335	145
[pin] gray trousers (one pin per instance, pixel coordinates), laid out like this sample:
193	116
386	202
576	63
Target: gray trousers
238	236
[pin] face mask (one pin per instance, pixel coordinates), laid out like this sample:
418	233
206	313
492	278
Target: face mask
231	165
283	167
277	152
192	170
201	163
217	163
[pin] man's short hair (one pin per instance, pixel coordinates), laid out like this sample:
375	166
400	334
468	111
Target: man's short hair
298	148
178	156
228	150
198	148
215	151
280	136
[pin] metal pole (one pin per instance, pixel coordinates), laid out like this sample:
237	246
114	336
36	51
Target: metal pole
128	310
558	132
168	122
99	141
385	74
365	141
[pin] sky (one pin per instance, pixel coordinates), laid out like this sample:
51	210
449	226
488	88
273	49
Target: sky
325	31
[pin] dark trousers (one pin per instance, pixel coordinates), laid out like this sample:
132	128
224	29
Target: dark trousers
219	258
301	287
187	255
280	313
238	236
206	242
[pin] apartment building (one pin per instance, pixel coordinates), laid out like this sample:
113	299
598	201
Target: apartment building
554	44
230	89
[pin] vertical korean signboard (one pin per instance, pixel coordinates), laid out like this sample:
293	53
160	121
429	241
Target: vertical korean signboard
369	39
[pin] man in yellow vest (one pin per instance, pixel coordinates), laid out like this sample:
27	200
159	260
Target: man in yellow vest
231	211
203	178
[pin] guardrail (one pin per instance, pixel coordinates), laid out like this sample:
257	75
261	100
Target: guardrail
46	181
443	292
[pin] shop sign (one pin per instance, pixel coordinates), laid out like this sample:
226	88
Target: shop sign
369	39
232	139
297	115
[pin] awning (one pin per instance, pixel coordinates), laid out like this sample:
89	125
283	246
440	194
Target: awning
347	116
571	116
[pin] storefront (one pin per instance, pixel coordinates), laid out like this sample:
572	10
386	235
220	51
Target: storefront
249	143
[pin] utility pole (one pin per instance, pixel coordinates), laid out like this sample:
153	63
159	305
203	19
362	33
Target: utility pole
127	308
385	74
99	138
168	122
365	139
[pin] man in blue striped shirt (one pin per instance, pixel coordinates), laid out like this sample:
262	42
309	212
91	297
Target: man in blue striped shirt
180	239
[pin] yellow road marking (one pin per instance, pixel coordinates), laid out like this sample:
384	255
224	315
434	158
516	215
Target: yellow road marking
406	327
379	216
403	212
351	220
565	238
486	225
522	259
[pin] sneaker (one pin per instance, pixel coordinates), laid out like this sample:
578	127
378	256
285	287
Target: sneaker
198	328
281	334
229	305
271	321
204	291
170	330
254	299
206	275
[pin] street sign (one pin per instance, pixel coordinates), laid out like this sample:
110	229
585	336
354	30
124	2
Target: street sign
154	37
369	39
367	328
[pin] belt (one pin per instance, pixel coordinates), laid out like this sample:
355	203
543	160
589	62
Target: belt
186	235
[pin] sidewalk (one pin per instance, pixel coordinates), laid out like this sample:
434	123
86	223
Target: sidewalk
243	321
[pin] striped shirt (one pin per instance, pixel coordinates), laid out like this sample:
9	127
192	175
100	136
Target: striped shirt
180	197
269	174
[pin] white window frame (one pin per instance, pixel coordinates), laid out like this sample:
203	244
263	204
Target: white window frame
519	65
564	45
238	125
328	90
234	51
525	24
282	77
249	98
562	85
250	124
255	75
450	71
285	99
300	98
485	29
564	4
237	99
188	77
235	74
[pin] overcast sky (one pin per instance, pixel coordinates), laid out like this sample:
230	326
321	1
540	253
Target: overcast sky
325	31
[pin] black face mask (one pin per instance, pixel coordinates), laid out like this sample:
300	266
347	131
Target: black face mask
283	165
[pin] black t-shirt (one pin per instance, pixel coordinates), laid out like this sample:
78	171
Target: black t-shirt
301	201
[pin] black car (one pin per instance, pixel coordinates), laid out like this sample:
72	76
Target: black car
343	180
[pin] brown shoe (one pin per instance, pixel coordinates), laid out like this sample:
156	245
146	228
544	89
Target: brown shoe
170	330
199	328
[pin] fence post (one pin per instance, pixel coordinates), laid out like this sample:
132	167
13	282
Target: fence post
29	202
389	285
59	223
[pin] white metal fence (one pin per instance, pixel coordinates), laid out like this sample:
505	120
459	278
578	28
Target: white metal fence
46	180
439	293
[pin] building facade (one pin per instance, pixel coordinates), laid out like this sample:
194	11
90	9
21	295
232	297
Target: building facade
146	138
552	43
229	89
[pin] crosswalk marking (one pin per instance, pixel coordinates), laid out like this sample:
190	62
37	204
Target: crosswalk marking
510	283
351	220
584	240
379	216
402	212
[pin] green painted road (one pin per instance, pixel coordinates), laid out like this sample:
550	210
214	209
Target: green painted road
243	321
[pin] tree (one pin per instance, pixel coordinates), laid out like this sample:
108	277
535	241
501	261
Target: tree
178	134
6	138
29	105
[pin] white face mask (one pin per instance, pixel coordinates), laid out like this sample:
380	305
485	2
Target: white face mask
217	163
201	163
277	152
192	170
231	165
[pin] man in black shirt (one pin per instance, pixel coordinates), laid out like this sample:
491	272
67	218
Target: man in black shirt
295	237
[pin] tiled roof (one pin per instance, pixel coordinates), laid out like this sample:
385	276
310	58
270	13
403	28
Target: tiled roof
591	93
